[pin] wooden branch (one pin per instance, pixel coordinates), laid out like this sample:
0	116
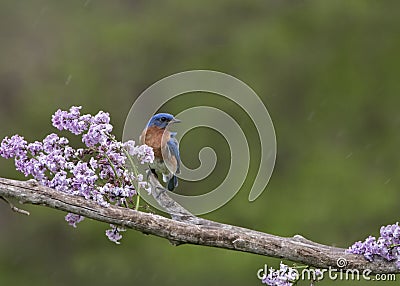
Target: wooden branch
193	230
175	210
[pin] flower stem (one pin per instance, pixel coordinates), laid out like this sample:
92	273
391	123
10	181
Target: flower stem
137	202
113	167
135	171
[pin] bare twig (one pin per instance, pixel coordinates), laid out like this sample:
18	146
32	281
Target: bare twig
14	208
194	231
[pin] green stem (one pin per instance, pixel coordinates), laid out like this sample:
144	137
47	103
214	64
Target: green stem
137	202
135	171
113	167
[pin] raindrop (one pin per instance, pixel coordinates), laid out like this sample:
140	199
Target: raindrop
68	80
349	155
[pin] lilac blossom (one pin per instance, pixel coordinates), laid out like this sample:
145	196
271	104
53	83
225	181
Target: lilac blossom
386	246
52	143
13	147
35	148
98	172
83	180
143	152
73	219
114	234
102	118
97	134
284	276
72	120
60	182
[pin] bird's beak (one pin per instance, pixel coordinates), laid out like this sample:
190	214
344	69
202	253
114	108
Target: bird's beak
175	120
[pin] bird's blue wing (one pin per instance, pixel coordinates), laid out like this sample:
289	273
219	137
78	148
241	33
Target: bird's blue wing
173	147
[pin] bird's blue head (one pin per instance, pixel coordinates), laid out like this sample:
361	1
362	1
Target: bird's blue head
162	120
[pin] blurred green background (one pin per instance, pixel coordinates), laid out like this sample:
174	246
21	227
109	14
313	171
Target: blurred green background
328	71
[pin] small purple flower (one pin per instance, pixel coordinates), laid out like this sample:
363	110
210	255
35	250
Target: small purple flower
97	134
77	126
73	219
115	154
69	153
75	112
144	153
35	168
61	182
84	178
35	148
72	120
59	119
284	276
98	197
87	119
114	234
129	146
357	248
13	147
93	163
54	143
102	118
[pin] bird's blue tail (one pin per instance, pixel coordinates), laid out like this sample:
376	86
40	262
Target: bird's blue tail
172	183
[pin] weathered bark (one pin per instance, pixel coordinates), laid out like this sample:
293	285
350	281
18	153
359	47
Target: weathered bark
186	228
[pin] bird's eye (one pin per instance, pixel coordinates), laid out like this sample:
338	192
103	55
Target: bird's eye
163	119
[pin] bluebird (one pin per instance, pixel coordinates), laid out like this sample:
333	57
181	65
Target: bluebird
165	146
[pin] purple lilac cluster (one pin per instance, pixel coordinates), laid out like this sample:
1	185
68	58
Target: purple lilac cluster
284	276
114	234
386	246
98	171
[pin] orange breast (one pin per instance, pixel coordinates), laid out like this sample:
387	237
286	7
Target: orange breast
152	137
